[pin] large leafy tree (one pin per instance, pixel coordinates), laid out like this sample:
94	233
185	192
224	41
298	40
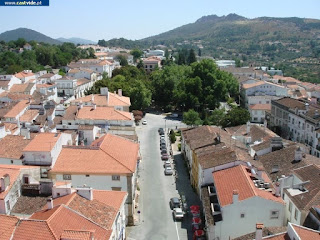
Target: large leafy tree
191	118
136	53
236	116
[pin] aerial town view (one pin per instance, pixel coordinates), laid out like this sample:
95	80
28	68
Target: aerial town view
171	120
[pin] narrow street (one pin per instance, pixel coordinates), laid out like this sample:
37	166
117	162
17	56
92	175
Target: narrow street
155	220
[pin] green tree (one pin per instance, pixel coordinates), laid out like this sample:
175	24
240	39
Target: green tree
140	96
20	42
199	52
122	59
191	118
136	53
166	53
192	57
217	116
236	116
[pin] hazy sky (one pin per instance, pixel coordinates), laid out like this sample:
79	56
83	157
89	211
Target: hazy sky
136	19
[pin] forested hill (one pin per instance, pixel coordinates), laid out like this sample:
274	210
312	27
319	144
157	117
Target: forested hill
292	44
28	35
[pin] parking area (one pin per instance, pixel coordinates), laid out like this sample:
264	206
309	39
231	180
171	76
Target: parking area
156	219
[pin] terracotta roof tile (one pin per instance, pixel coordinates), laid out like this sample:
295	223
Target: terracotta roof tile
11	146
260	107
250	85
43	142
21	88
29	115
77	235
18	108
238	178
62	218
110	154
306	233
7	226
110	198
33	230
284	160
24	74
102	100
82	81
103	113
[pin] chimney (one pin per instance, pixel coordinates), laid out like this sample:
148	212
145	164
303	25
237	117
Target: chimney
277	189
29	100
120	92
94	106
235	196
104	91
2	185
49	203
259	227
92	98
248	127
298	154
307	106
86	192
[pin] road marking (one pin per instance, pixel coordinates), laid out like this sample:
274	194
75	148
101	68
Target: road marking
177	230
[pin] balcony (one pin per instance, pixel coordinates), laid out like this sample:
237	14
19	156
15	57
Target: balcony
318	147
212	190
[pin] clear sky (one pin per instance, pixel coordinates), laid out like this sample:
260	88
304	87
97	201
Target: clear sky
136	19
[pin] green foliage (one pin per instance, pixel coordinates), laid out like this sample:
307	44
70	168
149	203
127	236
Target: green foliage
191	118
172	136
136	53
217	117
122	59
40	56
236	116
133	83
192	57
179	146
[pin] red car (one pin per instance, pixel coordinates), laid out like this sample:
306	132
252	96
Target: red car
164	156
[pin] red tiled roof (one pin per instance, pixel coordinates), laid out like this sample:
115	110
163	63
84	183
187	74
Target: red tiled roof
24	74
43	142
18	108
77	235
103	113
33	230
7	226
238	178
306	233
11	146
29	115
108	155
260	107
62	218
102	100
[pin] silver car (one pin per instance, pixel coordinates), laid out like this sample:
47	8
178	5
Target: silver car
168	171
178	213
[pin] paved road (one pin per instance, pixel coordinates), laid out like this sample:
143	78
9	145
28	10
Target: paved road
156	221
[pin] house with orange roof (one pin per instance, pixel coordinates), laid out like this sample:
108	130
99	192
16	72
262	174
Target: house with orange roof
12	178
25	76
105	99
106	208
110	163
151	63
44	148
240	197
11	147
16	111
96	65
23	88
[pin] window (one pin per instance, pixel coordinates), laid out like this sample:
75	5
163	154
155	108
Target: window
290	206
115	177
116	188
242	215
87	175
66	177
296	214
11	161
274	214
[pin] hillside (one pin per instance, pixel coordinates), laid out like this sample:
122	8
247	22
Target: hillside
292	44
28	35
76	40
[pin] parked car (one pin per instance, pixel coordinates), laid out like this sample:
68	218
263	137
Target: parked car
163	147
162	137
167	164
144	122
168	171
164	157
164	151
160	129
174	203
178	213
